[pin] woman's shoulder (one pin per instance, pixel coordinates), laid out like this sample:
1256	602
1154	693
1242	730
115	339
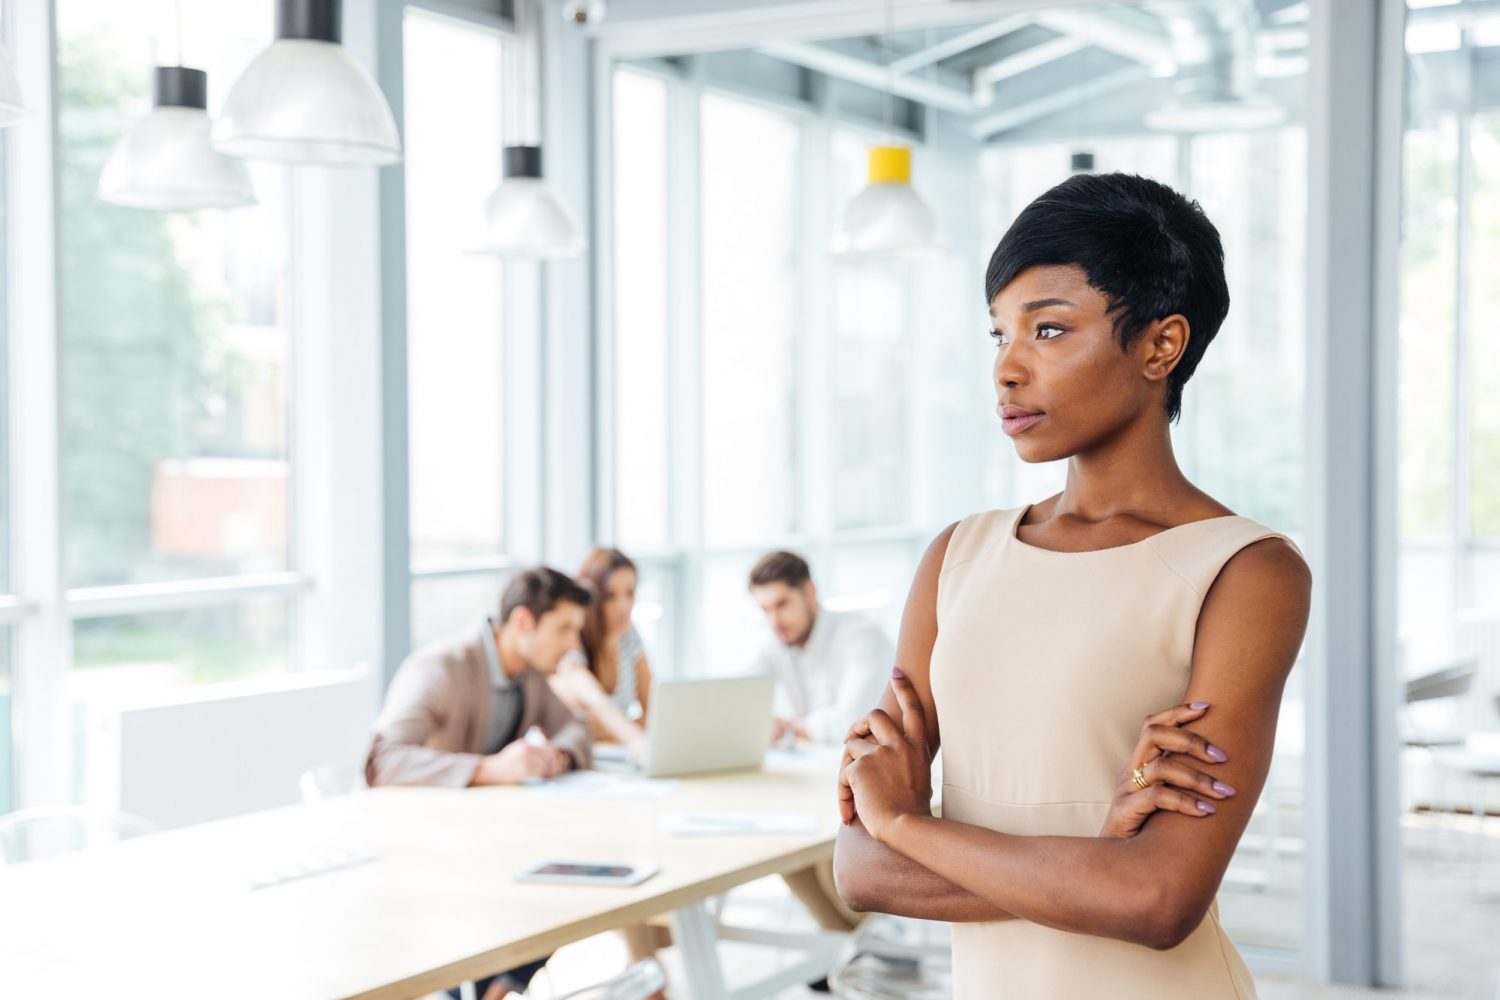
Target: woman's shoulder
630	645
1200	550
970	537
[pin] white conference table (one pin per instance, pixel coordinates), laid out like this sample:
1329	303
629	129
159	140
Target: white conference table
174	915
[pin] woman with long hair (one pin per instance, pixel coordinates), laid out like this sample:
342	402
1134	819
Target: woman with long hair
1035	639
609	684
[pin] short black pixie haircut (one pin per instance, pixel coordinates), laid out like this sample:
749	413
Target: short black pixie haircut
1148	250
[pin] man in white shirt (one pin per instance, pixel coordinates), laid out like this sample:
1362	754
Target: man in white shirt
832	666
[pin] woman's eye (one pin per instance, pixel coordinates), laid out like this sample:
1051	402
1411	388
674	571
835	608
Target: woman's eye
1048	331
998	338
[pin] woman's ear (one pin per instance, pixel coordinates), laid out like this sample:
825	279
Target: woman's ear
1165	340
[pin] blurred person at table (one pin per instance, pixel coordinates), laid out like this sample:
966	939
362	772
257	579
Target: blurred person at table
831	669
831	666
608	682
477	709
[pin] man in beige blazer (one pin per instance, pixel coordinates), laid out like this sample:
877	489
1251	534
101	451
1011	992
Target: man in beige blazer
459	711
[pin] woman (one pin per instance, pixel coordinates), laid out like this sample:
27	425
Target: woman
612	677
1035	639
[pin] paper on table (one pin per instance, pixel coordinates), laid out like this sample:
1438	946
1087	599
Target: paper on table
605	787
721	824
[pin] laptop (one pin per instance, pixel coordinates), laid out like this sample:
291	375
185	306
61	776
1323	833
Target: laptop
712	724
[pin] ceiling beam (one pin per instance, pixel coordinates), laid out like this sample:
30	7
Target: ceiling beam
1109	34
971	39
1021	114
1027	59
679	27
868	74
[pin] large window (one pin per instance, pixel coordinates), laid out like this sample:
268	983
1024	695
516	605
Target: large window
870	373
1484	341
1448	503
750	206
455	332
7	703
1449	362
173	332
640	431
762	393
174	367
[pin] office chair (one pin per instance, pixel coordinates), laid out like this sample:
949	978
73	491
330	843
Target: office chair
895	958
330	780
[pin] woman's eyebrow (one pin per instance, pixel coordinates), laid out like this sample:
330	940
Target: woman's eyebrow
1031	307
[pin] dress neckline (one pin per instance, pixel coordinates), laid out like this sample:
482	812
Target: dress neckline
1015	535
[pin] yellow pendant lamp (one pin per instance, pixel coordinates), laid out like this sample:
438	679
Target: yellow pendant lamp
888	218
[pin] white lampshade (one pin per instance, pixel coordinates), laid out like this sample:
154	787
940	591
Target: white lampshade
888	218
523	218
11	108
306	100
165	163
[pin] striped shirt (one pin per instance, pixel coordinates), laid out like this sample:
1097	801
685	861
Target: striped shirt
629	651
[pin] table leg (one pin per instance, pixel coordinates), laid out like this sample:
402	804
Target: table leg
698	939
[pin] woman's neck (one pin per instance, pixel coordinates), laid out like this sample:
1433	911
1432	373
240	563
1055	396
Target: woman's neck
1134	473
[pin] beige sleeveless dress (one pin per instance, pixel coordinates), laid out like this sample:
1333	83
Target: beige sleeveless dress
1044	666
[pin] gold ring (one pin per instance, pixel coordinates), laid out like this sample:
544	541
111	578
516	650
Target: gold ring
1139	777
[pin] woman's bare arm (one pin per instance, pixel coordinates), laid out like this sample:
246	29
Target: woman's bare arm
643	687
869	875
583	693
1154	888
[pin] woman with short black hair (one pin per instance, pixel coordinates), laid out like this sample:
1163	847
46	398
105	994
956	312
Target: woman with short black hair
1035	640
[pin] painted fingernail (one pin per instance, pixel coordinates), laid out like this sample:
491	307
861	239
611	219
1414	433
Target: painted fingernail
1222	788
1206	807
1198	706
896	672
1216	754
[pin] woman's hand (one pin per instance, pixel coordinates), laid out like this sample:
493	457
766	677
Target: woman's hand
888	773
1162	754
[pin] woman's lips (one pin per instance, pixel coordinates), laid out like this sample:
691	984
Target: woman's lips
1016	419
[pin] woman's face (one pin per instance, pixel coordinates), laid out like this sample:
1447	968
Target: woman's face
619	600
1062	383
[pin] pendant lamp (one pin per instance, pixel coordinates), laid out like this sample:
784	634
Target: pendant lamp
524	218
888	219
306	100
165	163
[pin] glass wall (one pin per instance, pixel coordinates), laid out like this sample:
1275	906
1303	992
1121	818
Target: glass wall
751	198
640	426
455	322
801	399
7	638
174	368
1448	370
174	351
